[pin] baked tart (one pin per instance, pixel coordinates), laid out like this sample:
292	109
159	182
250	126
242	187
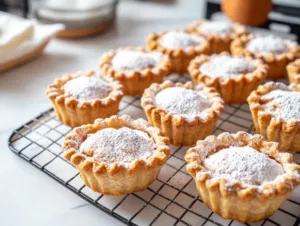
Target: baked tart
241	176
276	52
180	46
293	70
135	68
275	110
117	155
83	97
220	34
229	75
183	113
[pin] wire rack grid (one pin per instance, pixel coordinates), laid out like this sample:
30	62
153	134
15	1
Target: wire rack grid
171	200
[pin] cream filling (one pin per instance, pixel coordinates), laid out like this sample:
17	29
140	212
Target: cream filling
86	88
243	164
227	66
215	28
122	146
283	104
183	102
180	39
131	60
265	45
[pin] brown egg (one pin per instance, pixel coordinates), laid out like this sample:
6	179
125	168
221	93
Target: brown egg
248	12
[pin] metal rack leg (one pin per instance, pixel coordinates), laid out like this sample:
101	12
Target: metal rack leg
25	8
211	8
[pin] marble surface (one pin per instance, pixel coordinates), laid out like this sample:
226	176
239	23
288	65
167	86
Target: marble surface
29	197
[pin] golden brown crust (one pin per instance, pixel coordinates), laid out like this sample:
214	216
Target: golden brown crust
277	62
180	58
218	43
137	81
237	200
73	112
293	70
116	179
179	130
287	133
230	87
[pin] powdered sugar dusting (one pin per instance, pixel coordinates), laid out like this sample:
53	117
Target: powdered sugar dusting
215	27
122	145
283	104
227	66
277	93
243	164
268	44
88	88
180	101
130	60
180	39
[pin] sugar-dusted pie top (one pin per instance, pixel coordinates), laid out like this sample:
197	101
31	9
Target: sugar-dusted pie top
268	44
88	88
243	164
180	101
180	39
215	28
227	66
131	60
284	104
122	145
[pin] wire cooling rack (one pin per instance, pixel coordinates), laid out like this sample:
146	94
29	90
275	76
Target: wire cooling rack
171	200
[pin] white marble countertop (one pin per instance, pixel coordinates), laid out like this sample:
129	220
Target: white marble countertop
29	197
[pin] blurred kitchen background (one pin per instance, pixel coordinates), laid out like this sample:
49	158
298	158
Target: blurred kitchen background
40	201
284	15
